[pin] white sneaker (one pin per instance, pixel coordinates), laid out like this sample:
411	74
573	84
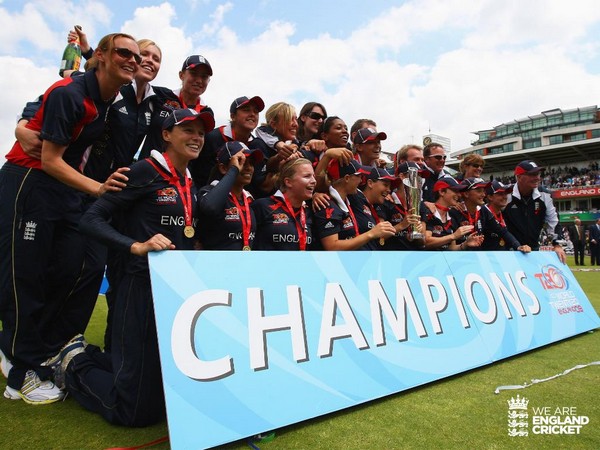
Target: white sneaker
35	391
61	360
5	364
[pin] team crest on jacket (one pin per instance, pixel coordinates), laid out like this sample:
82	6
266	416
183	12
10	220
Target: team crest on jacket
166	196
231	214
347	223
396	218
367	210
280	219
172	104
437	230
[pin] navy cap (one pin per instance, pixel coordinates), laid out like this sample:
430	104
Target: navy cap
378	173
241	101
195	61
527	166
496	187
448	182
178	116
227	150
474	183
368	134
403	168
336	171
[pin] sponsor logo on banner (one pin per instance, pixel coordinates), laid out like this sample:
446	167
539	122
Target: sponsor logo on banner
551	420
563	300
518	416
344	328
552	277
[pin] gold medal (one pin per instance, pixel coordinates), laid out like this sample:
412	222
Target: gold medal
189	232
246	248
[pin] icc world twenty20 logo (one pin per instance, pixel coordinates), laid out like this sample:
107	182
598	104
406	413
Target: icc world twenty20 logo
551	277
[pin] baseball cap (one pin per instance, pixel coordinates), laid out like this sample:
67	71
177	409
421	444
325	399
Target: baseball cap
194	61
227	150
474	183
403	168
495	187
527	166
336	171
448	182
178	116
368	134
241	101
378	173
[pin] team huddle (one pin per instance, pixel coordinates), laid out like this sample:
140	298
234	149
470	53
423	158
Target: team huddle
108	167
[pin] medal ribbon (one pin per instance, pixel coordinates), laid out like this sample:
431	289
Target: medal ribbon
247	220
499	217
377	220
353	217
300	224
472	220
198	107
184	191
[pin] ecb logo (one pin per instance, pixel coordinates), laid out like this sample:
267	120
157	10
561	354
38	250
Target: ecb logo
551	277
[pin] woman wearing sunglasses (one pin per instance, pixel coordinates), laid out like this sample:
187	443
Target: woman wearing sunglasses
310	123
41	252
116	148
471	167
311	118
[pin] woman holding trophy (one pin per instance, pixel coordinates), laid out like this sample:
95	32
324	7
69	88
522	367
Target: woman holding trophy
406	209
442	233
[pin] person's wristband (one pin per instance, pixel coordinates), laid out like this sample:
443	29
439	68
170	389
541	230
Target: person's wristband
87	55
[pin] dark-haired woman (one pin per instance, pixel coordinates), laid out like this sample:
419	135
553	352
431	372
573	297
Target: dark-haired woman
124	385
310	121
336	226
227	221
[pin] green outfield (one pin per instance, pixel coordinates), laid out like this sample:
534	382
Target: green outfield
461	412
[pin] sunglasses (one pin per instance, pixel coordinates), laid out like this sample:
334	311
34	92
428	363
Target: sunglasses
477	166
438	157
316	116
125	53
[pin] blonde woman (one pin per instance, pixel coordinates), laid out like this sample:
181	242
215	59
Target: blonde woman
284	220
41	205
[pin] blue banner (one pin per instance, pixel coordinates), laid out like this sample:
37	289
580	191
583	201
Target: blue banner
253	341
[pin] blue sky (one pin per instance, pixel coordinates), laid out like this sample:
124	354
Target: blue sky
452	66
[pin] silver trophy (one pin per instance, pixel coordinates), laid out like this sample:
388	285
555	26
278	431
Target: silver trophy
412	187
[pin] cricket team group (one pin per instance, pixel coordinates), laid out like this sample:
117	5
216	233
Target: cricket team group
108	167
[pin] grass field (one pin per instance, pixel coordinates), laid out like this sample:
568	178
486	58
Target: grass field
461	412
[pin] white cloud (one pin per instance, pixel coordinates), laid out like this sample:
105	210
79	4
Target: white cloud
17	91
156	23
35	24
216	19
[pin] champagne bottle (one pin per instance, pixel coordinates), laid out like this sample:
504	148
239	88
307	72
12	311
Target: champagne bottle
71	59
